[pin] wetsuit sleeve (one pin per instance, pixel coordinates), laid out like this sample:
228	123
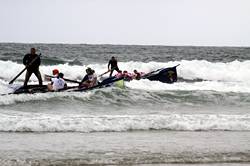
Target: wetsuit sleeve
38	60
25	59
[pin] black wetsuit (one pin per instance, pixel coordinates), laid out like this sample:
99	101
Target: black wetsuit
114	66
33	68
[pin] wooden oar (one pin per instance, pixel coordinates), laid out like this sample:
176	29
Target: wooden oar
104	73
11	82
69	80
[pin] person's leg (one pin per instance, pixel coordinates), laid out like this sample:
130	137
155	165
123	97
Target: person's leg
117	69
38	75
27	77
111	72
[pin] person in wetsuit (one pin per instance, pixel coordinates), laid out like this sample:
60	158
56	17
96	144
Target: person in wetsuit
32	68
113	65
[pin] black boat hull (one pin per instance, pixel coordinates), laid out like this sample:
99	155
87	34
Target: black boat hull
43	89
31	89
165	75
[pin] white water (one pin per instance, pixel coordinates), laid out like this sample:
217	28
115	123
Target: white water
38	122
195	69
223	77
241	87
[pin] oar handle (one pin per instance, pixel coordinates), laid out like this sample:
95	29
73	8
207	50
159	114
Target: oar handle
69	80
104	73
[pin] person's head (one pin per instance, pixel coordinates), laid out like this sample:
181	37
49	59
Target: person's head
135	71
88	70
60	75
125	71
112	58
119	71
55	71
32	51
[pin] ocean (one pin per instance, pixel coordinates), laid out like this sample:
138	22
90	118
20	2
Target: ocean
202	119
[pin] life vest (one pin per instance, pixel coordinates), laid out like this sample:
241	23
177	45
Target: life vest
128	76
119	75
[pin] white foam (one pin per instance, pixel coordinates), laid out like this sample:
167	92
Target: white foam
231	71
37	122
20	98
226	77
242	87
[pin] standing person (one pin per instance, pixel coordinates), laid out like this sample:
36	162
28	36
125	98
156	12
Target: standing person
32	68
113	64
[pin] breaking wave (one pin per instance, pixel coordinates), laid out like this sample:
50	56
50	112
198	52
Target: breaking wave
225	77
37	122
194	69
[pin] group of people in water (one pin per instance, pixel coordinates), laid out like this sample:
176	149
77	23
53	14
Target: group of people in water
32	62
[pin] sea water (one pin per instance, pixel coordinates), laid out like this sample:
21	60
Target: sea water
202	119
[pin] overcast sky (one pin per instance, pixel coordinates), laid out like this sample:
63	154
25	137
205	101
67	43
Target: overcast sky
156	22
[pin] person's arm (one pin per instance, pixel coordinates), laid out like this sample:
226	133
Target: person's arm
38	60
109	64
47	78
25	59
52	80
94	81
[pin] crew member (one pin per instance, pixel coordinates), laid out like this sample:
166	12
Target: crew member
113	65
55	73
119	74
138	75
57	83
89	80
32	61
127	76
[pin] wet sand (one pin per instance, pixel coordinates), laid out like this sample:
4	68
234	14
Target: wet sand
136	148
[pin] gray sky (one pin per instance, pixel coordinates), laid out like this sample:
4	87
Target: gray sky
157	22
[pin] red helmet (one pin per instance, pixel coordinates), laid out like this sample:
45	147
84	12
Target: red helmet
55	71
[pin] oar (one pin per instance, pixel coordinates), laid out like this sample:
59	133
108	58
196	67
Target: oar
69	80
11	82
104	73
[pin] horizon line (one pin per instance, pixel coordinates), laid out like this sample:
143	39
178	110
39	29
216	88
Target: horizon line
73	43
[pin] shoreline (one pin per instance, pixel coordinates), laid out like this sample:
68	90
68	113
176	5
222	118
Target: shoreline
115	148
